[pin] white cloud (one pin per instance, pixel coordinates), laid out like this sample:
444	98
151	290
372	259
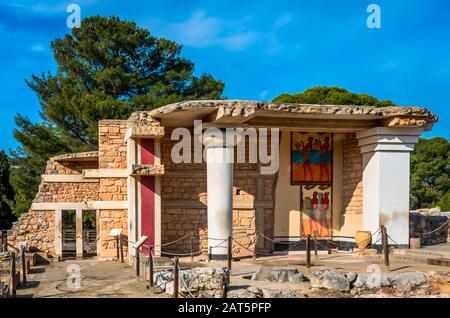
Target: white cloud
272	37
38	48
263	94
201	30
283	20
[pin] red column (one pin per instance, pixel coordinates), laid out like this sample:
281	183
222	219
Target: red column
147	193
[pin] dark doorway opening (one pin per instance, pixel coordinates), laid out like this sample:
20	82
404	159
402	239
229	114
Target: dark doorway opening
68	230
89	233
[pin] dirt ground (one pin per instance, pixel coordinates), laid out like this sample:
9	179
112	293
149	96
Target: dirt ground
113	279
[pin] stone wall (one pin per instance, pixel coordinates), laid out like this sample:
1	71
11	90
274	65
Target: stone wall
184	210
420	224
112	146
352	175
110	219
112	155
37	228
67	191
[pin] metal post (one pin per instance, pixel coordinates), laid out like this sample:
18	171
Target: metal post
224	287
121	248
175	277
5	242
192	246
138	264
256	246
308	251
24	267
315	246
385	245
117	247
230	252
13	275
150	263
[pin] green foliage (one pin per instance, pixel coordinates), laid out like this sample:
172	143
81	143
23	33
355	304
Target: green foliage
6	193
444	202
331	95
107	68
430	174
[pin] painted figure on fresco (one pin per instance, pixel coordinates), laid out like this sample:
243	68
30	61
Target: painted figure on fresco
316	210
311	157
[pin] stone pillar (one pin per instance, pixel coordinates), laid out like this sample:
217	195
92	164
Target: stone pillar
58	234
219	170
386	161
79	233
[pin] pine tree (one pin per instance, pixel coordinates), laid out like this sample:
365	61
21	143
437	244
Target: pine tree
107	69
6	193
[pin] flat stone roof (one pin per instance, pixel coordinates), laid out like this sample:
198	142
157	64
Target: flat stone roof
248	106
255	112
77	156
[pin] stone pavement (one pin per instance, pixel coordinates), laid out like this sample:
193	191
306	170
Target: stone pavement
112	279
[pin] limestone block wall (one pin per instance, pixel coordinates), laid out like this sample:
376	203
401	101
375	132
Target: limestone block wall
110	219
352	175
112	147
112	155
67	191
37	228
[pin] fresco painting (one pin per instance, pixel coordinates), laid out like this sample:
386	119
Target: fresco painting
312	158
315	210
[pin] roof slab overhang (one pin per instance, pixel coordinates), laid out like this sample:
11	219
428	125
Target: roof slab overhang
243	113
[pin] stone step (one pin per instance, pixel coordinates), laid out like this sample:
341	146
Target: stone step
406	258
427	253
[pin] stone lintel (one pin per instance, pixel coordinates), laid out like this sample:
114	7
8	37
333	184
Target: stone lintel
147	170
154	132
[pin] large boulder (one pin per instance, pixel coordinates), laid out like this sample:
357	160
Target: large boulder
192	280
371	281
330	279
278	274
407	281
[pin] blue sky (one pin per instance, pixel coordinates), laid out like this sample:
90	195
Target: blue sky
258	48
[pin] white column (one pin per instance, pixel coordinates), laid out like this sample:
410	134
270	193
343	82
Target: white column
157	156
58	234
386	161
219	170
79	233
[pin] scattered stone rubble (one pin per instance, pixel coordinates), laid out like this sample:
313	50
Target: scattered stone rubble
277	274
206	282
195	280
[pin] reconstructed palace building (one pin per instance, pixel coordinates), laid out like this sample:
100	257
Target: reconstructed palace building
339	169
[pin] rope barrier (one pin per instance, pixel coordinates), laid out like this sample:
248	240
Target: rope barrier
278	242
435	230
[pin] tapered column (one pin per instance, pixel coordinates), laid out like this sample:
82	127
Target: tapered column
219	162
79	233
58	234
386	161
